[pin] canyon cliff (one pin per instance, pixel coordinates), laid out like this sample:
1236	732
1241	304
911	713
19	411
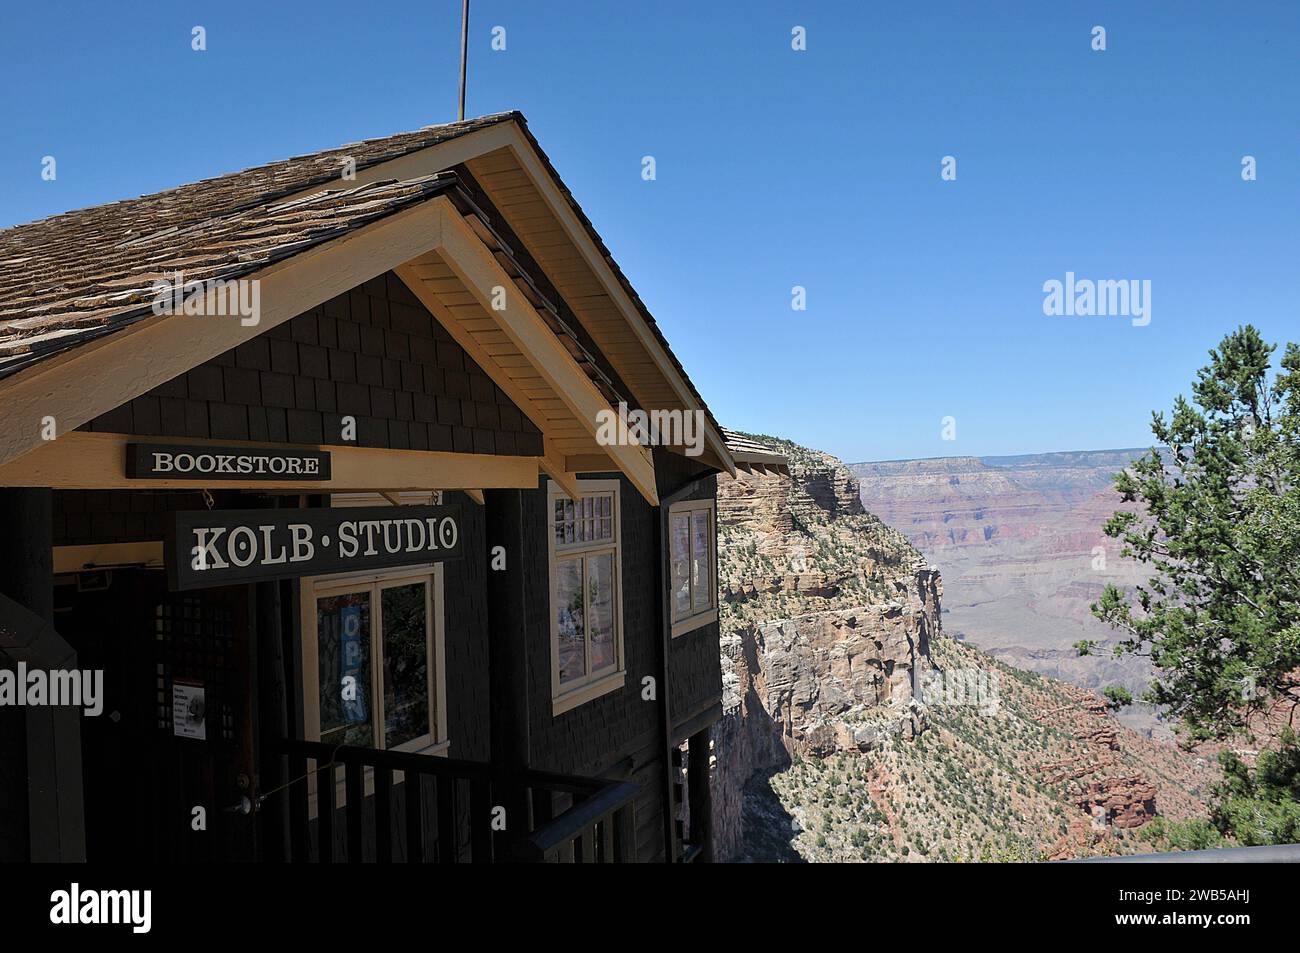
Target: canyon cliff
828	616
854	729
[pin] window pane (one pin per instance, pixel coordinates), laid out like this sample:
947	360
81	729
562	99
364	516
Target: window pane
343	636
600	610
681	558
701	585
406	663
568	604
587	520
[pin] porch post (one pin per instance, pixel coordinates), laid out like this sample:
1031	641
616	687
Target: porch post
40	748
507	655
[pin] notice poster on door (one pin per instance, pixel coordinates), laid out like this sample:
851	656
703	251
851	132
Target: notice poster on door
189	710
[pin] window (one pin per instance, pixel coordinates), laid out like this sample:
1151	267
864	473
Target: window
373	659
694	580
586	613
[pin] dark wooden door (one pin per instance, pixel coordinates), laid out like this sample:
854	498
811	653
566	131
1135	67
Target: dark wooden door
144	774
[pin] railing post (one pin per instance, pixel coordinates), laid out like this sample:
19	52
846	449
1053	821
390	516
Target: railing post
624	835
299	816
354	773
415	840
384	814
325	813
607	838
448	839
480	820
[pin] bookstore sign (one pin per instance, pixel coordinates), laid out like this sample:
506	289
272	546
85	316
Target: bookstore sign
160	461
207	548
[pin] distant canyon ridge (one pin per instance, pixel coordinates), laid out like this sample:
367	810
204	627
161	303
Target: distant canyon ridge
1020	545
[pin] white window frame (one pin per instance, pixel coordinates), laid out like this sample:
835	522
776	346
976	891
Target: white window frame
694	618
434	741
590	686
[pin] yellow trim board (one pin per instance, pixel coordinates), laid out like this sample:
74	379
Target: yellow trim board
483	275
96	555
89	461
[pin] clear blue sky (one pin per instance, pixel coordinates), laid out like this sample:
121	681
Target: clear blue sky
776	168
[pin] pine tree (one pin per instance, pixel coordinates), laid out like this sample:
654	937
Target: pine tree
1218	521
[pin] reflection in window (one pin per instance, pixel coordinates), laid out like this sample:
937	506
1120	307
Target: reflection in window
681	559
406	663
600	602
701	593
571	619
691	555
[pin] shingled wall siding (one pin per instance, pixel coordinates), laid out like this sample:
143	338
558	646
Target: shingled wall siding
123	516
617	733
466	637
375	353
694	658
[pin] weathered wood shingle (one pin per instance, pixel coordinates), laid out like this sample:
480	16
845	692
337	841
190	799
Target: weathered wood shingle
286	387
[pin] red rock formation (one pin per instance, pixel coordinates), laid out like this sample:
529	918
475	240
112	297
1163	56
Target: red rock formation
1125	802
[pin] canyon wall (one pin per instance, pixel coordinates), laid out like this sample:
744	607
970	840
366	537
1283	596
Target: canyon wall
827	621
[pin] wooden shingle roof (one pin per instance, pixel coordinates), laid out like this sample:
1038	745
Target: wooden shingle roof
75	276
79	276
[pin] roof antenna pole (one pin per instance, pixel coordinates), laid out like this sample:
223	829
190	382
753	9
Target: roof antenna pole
464	53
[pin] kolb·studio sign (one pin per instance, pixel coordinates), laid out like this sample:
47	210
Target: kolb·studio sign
206	548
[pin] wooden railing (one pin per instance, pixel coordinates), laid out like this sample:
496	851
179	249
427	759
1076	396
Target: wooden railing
597	828
361	804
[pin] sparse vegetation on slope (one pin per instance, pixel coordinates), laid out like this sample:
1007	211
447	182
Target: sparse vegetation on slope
1015	784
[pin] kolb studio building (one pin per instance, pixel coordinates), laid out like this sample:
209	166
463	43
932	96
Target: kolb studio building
330	475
